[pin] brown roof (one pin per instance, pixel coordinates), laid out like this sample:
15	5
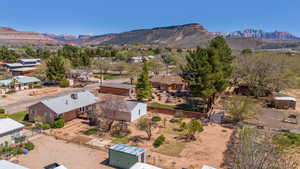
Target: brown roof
117	85
167	79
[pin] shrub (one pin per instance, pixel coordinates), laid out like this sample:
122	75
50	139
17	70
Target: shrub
64	83
2	111
11	92
44	126
287	139
38	86
156	119
174	120
59	123
29	146
90	131
159	141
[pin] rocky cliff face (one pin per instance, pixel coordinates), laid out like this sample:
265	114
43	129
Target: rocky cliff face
62	37
11	36
258	34
189	35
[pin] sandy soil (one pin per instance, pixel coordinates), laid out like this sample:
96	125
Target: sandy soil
294	93
49	150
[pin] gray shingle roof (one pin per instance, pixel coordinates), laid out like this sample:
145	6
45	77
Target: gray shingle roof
66	103
8	125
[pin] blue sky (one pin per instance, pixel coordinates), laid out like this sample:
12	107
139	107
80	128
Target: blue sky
109	16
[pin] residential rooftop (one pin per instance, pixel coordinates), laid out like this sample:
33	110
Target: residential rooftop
19	79
70	102
127	149
7	125
143	166
8	165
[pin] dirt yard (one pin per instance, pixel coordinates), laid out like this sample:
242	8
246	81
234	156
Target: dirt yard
49	150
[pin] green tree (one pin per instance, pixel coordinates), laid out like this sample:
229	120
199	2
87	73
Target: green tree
55	68
192	128
144	86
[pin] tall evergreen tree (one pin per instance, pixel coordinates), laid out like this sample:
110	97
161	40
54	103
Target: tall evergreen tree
144	86
208	70
55	68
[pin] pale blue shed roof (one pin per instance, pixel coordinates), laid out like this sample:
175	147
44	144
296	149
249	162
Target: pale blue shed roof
127	149
20	79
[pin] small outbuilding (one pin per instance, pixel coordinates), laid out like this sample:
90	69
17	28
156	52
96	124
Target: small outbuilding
131	111
118	89
125	156
11	131
143	166
283	102
9	165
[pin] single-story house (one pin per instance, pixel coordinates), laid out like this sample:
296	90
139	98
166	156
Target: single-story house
139	59
168	83
67	107
22	63
118	89
143	166
283	102
26	71
11	131
130	111
9	165
125	156
18	83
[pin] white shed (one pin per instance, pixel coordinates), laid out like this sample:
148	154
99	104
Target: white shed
143	166
8	165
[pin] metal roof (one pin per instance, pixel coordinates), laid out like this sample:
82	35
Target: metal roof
127	149
143	166
66	103
8	165
30	60
8	125
130	105
20	79
285	98
117	85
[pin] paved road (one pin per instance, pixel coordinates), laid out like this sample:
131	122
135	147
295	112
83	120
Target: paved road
22	105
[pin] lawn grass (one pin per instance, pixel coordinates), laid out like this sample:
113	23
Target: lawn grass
118	140
20	116
158	105
108	76
171	148
90	131
171	129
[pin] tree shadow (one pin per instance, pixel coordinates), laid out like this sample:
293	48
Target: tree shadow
137	139
228	159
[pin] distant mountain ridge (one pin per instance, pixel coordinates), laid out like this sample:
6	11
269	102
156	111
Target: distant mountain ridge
189	35
258	34
12	36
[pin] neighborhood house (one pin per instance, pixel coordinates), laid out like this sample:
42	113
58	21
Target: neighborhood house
18	83
118	89
168	83
11	131
125	156
67	107
131	111
22	63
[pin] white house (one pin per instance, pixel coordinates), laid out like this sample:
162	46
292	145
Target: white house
8	165
11	131
132	111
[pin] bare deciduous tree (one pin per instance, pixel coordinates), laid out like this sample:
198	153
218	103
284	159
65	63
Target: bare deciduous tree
109	109
255	151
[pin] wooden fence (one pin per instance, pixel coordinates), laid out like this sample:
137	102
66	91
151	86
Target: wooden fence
189	114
